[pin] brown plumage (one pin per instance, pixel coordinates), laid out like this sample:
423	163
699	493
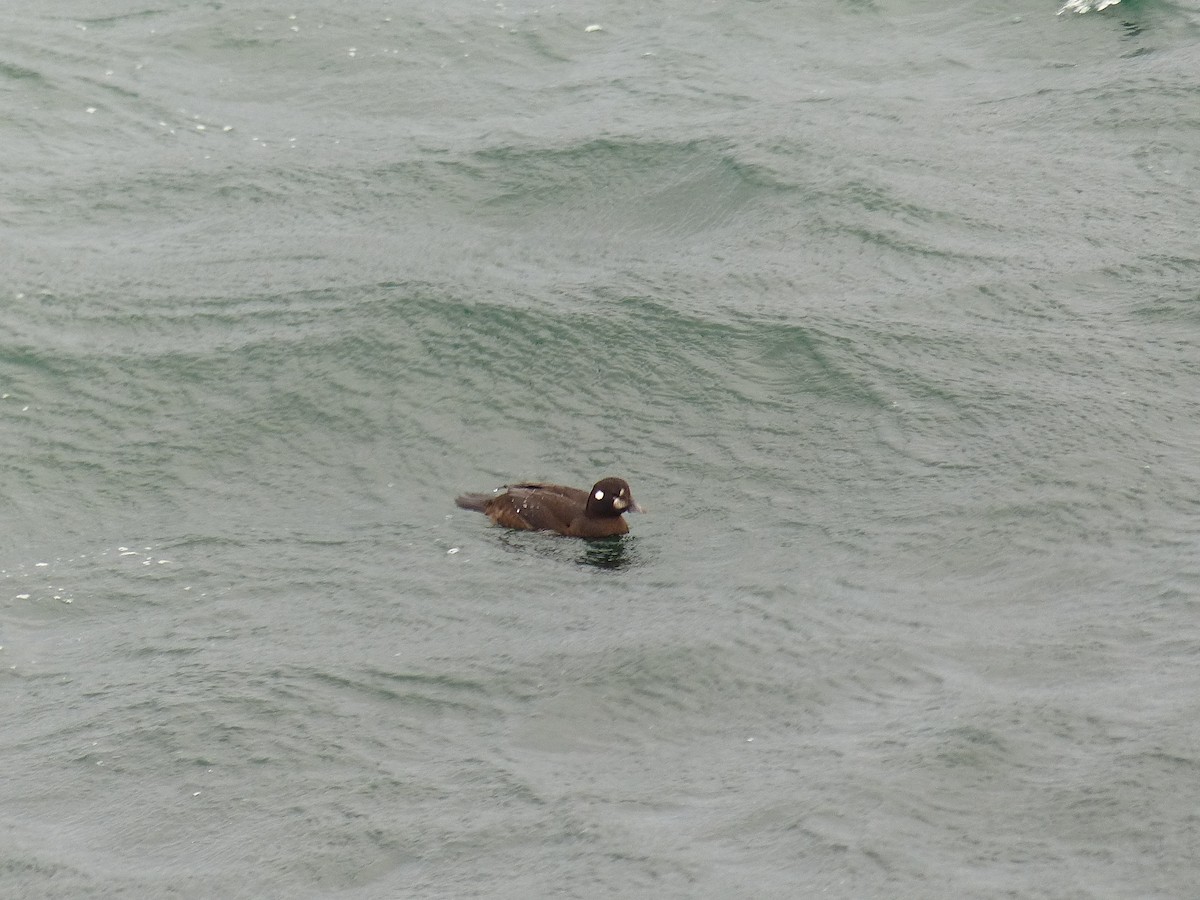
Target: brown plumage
538	506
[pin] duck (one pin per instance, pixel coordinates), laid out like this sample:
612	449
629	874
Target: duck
542	506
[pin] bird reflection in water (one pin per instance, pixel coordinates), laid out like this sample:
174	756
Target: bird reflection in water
609	553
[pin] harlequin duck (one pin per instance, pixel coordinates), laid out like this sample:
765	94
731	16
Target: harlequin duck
537	506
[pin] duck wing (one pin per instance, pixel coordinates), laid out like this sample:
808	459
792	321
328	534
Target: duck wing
532	508
579	495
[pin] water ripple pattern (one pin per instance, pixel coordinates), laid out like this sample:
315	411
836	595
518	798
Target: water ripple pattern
889	314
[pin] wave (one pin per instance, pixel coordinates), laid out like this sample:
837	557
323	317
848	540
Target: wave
1083	6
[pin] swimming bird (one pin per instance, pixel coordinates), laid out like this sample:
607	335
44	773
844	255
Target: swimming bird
540	506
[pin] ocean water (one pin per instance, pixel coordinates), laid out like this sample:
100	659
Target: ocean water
888	311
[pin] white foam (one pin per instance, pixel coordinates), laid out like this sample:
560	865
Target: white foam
1083	6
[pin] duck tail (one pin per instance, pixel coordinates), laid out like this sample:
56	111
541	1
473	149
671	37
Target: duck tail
476	502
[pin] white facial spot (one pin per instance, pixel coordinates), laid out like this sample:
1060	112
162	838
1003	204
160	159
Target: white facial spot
599	495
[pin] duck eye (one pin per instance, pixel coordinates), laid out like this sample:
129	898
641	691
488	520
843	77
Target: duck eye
599	495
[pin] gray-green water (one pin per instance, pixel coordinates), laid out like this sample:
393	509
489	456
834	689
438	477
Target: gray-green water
888	312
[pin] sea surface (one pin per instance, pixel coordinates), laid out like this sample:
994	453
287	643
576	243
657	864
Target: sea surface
889	312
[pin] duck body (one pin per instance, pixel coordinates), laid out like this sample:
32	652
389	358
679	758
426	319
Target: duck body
541	506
